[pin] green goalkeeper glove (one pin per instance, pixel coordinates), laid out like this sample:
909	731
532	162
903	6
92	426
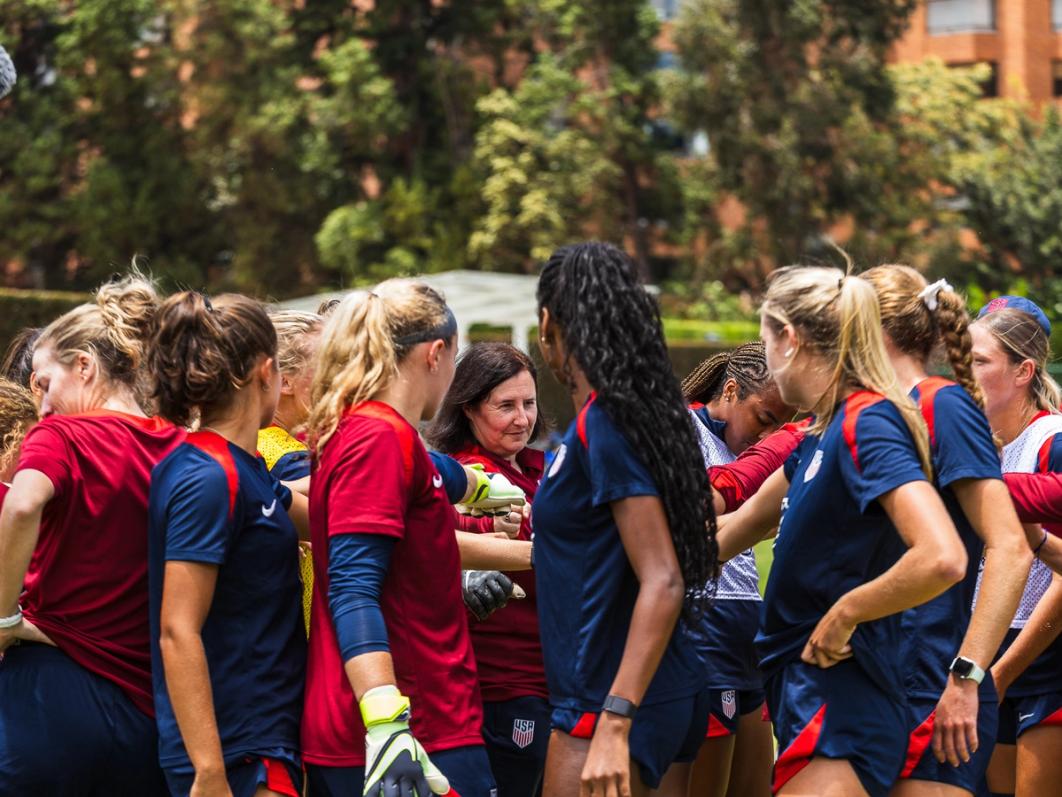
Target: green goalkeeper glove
492	491
395	763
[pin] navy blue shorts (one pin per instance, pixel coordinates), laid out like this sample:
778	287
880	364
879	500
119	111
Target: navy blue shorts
516	733
467	769
922	764
281	775
66	732
1020	713
837	713
725	641
661	734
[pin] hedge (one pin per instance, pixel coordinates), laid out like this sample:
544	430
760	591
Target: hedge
19	308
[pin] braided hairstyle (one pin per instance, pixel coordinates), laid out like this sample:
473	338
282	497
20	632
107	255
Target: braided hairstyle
746	365
611	327
916	330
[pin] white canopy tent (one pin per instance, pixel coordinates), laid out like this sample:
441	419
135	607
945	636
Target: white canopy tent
476	297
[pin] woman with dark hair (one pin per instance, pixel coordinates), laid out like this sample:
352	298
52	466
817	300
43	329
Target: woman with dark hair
625	536
488	418
17	364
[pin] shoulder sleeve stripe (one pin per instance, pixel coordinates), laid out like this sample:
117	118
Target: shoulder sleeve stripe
927	394
372	409
1044	458
217	448
854	405
580	423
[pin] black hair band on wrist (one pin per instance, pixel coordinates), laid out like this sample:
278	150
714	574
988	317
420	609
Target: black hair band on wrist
1036	550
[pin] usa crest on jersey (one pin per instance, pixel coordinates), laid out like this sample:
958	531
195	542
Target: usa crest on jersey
523	733
729	699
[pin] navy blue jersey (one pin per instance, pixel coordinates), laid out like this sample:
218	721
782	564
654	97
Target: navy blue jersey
962	448
834	536
212	502
585	585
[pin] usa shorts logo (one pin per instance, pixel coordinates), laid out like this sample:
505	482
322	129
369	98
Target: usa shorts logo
523	733
729	703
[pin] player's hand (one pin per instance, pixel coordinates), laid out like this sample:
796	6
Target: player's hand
492	491
395	763
486	591
211	783
509	523
607	771
24	631
829	642
955	727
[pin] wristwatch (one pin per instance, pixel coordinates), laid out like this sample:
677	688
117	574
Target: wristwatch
619	706
966	669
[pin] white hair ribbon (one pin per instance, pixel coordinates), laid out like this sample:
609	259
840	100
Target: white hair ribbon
930	293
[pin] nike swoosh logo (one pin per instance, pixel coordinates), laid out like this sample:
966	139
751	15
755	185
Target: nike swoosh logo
272	508
436	480
1023	717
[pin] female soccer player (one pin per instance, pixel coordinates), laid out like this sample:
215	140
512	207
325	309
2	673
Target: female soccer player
953	708
863	536
624	536
76	712
736	404
489	418
228	644
1011	351
391	675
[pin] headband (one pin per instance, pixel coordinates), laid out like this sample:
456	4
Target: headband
444	331
930	294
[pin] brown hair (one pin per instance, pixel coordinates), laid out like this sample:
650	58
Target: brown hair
204	350
362	346
746	365
1022	338
480	369
294	329
18	412
17	364
836	316
112	329
916	330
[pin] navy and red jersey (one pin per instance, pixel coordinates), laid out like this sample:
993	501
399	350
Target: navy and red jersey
834	536
507	645
215	504
586	587
374	476
87	583
961	446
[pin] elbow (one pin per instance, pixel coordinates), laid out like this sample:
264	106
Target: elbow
949	566
667	588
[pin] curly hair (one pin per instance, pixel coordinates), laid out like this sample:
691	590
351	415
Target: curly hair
611	327
746	365
18	412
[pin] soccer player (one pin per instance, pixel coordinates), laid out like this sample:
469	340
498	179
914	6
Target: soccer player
735	404
623	537
1011	351
489	418
228	643
76	710
391	674
953	707
863	536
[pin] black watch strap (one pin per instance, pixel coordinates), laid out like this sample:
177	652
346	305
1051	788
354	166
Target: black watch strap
619	706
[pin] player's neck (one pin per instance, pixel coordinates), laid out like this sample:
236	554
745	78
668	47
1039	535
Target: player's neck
1011	421
238	424
580	386
909	370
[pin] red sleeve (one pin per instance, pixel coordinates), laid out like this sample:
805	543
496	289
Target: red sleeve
1037	496
368	490
47	450
740	480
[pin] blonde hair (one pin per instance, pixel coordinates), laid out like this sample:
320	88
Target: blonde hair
112	329
294	329
1022	338
836	316
361	348
917	330
18	412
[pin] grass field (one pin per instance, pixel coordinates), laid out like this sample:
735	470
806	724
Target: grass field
764	558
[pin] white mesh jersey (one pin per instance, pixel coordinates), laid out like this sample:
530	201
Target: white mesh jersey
739	578
1021	455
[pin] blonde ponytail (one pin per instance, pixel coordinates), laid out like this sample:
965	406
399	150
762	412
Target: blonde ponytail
363	342
837	317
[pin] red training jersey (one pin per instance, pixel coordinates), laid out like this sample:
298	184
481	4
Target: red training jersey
87	583
374	476
507	644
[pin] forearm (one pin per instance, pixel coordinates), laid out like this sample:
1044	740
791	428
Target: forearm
19	530
188	683
1002	582
754	521
1040	631
1037	496
485	552
656	610
483	524
916	578
369	671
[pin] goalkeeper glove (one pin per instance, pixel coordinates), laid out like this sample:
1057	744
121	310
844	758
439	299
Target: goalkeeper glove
486	591
395	763
493	491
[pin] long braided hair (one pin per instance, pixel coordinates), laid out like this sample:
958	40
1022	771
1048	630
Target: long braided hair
746	365
611	327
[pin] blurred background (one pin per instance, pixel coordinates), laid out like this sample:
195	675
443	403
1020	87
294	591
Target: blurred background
284	148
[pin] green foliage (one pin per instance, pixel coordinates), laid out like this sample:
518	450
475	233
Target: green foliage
20	309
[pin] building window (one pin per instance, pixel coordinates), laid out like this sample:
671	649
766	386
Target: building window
990	86
1056	14
1056	75
666	9
962	16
